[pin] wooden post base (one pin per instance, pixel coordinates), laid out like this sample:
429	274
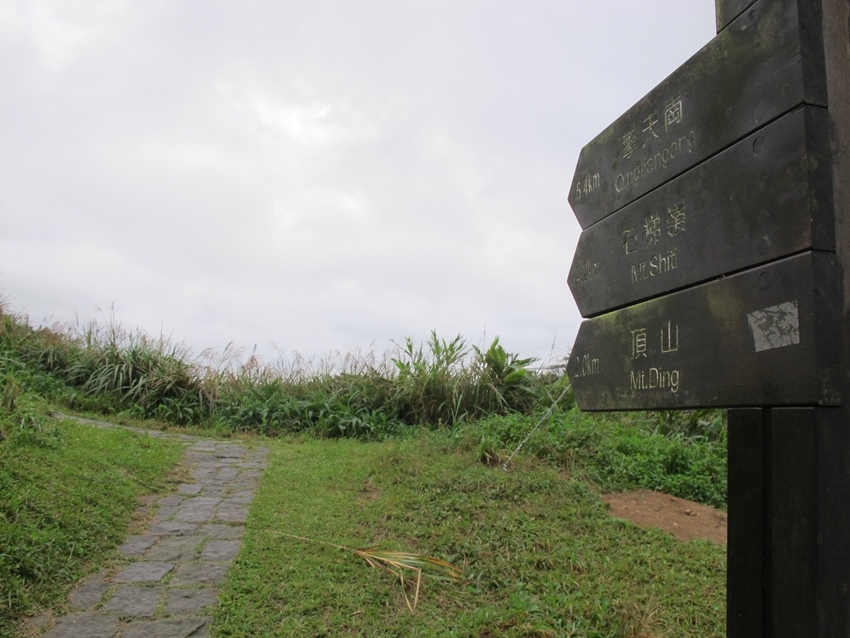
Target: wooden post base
789	523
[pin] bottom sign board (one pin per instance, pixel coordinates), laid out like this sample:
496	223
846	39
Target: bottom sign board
763	337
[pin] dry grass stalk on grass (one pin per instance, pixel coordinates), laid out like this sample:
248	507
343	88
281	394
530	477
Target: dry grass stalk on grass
395	563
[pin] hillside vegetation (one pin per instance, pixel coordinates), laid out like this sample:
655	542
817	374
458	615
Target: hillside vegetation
487	395
480	402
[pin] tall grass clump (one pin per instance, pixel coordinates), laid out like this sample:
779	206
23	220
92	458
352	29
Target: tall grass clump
146	377
438	383
443	382
101	368
347	397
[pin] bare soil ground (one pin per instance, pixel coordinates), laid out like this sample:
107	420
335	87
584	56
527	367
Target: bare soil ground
684	519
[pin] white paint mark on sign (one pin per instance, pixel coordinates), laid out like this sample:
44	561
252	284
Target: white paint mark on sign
775	326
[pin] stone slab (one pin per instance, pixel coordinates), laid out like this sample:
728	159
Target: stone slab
220	551
227	474
178	549
192	601
195	513
165	514
172	500
87	624
214	489
90	593
137	544
173	528
242	497
230	451
199	574
202	501
231	514
144	573
218	531
243	483
134	601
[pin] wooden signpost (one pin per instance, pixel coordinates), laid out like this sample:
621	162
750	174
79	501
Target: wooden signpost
713	272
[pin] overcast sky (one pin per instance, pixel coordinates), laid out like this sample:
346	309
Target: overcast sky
313	176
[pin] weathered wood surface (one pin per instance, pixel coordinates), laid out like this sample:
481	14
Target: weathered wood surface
762	337
747	558
767	62
789	468
727	10
766	197
789	476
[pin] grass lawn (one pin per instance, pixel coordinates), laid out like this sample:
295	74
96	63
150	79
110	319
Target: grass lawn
541	555
64	507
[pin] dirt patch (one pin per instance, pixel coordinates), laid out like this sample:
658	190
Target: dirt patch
684	519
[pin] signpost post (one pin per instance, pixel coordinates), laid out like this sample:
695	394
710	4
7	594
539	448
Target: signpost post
713	272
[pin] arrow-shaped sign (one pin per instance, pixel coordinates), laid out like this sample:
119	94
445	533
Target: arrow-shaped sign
763	337
761	66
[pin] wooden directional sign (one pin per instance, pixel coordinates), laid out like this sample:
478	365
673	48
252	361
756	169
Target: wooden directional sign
764	64
766	197
714	267
765	336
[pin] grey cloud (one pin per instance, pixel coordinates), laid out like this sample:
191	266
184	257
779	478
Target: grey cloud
317	175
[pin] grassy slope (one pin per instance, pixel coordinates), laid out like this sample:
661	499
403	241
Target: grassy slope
615	451
63	509
541	554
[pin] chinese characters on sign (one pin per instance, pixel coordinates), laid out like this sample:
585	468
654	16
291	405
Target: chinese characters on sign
655	377
670	338
651	231
669	341
632	139
676	219
639	343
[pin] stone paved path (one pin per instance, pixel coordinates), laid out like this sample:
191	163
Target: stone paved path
169	588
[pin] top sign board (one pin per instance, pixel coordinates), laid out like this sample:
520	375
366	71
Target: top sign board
765	64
